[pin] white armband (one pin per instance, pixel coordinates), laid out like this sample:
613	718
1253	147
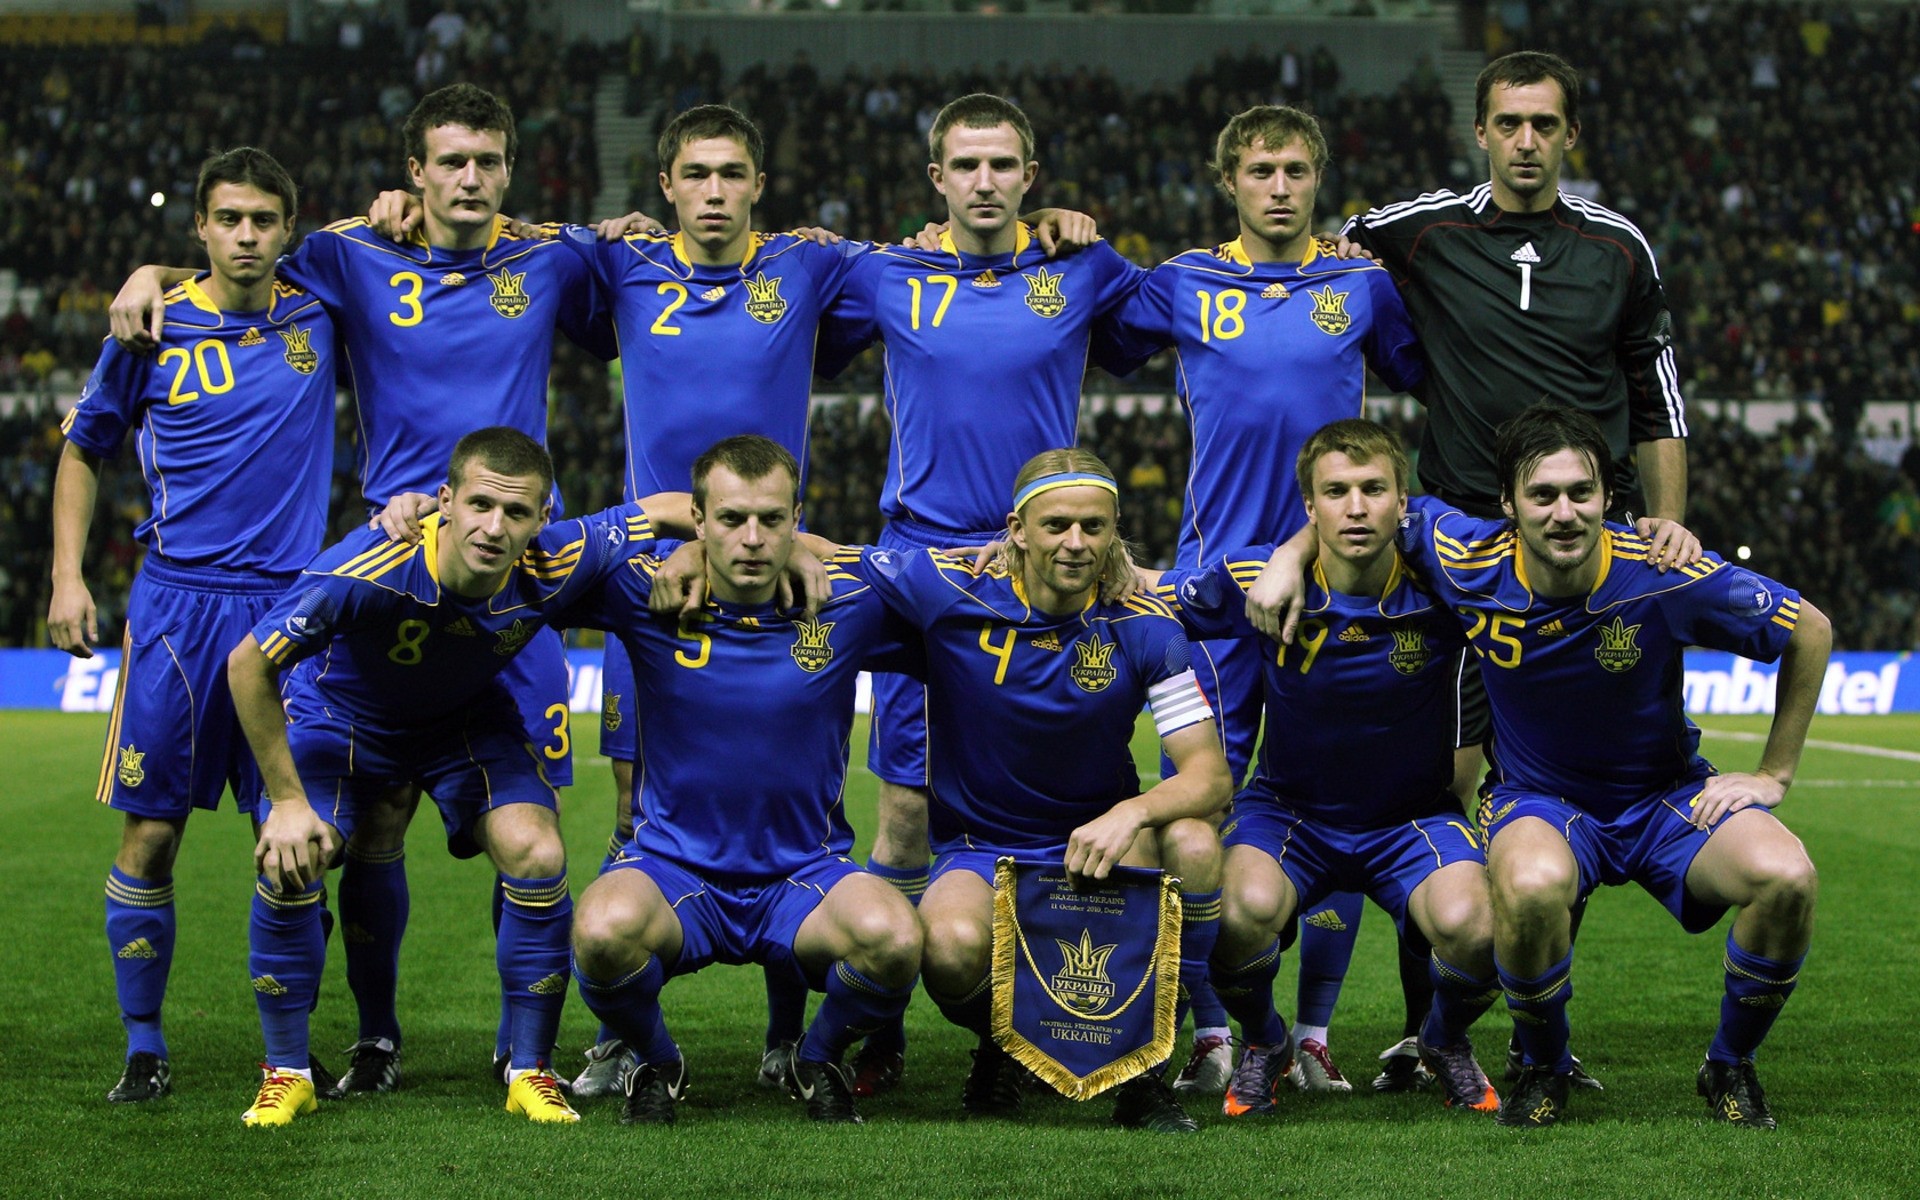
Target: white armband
1177	703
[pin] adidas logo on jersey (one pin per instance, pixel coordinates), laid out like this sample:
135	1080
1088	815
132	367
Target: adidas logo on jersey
1275	291
1525	254
1327	919
138	948
453	279
713	293
462	628
1353	633
251	337
1552	628
986	279
1047	641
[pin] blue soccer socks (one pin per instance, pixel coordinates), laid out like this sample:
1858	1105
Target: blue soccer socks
287	949
1757	989
374	903
855	1006
1539	1008
140	931
630	1007
1326	948
1246	991
531	949
1459	999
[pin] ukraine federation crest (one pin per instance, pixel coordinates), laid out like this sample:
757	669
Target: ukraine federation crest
1082	983
1617	651
300	355
1093	667
1330	310
513	637
610	712
509	297
1409	653
764	302
130	770
810	650
1043	293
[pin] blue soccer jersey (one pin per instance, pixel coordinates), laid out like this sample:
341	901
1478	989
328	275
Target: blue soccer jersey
1360	714
233	424
707	352
745	715
1029	716
439	343
984	361
378	639
1264	355
1586	691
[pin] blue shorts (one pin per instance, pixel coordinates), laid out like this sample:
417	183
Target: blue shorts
737	923
982	862
1651	844
536	678
1321	860
897	743
173	742
1229	673
472	762
619	721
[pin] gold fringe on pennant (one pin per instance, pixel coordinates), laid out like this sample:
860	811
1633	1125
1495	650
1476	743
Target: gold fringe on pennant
1010	950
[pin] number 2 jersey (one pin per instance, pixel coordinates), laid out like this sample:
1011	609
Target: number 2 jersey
1586	691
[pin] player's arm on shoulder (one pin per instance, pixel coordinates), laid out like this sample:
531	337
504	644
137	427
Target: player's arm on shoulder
1279	592
139	309
1803	668
1392	347
1062	231
1662	465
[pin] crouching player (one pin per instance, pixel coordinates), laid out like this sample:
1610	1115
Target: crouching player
1035	676
399	647
1351	788
739	852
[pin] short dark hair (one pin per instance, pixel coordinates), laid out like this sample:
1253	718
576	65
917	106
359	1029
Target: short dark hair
1269	125
980	110
252	167
500	448
709	121
459	104
1362	441
1522	68
1543	431
747	455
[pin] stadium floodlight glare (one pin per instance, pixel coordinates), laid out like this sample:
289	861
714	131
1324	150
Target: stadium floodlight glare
1744	553
157	199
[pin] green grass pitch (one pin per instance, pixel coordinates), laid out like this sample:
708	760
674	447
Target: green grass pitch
1840	1068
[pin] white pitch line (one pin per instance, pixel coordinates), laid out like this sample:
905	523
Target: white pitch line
1843	747
1910	785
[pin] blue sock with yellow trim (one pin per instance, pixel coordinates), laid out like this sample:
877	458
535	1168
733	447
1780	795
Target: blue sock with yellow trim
1246	992
531	949
972	1012
374	903
140	931
1757	989
1327	935
1199	930
855	1006
286	950
1539	1008
911	882
1459	999
629	1007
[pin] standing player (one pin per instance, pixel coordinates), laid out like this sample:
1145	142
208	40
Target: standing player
986	346
688	890
235	414
447	332
1272	340
1037	643
1521	292
1351	790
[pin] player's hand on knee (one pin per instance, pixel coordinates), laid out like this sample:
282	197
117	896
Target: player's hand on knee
1670	544
1726	794
1062	230
1094	849
138	311
928	238
819	236
1275	600
680	585
614	228
1340	247
295	845
400	519
72	621
395	215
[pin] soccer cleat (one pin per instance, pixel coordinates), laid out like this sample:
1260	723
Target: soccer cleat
324	1081
536	1096
1146	1102
1516	1063
653	1093
1734	1094
502	1066
1256	1081
1462	1083
608	1064
775	1065
826	1088
994	1085
374	1067
1208	1067
1313	1069
147	1077
1401	1069
283	1096
876	1071
1538	1100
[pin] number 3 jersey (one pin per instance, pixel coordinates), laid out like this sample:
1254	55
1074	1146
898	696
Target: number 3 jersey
376	636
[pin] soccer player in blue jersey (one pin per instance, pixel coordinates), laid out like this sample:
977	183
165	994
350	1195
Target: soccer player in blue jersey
1572	615
397	650
447	332
986	343
688	890
1272	340
235	414
1035	675
1351	791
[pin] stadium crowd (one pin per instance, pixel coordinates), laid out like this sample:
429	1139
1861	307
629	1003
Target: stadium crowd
1773	169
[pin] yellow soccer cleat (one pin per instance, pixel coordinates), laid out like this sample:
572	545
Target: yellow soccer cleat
536	1095
283	1096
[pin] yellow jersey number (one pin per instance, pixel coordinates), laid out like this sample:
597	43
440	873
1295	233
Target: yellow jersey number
202	359
411	313
1309	638
949	282
1499	647
1222	315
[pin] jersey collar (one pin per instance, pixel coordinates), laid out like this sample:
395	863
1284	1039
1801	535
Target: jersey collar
1236	252
679	243
1022	238
197	296
1606	563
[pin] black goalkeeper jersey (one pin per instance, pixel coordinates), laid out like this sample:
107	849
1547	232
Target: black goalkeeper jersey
1514	308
